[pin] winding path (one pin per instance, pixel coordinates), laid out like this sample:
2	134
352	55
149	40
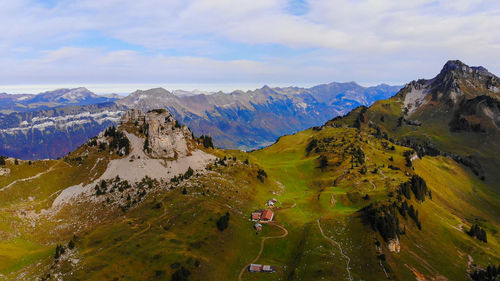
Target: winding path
29	178
338	245
374	187
285	233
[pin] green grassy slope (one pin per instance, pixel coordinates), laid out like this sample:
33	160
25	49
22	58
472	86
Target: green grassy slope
320	207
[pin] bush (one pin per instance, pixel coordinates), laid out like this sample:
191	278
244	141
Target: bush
71	244
188	173
181	274
489	274
478	232
417	185
323	162
223	222
312	145
261	174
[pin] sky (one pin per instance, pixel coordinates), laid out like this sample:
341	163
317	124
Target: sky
120	45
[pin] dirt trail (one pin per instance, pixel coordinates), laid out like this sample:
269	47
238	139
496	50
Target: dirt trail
285	233
383	268
333	201
374	187
338	245
29	178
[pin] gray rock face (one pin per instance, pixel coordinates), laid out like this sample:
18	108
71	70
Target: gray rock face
165	137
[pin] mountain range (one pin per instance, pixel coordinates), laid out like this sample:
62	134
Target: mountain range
50	99
243	120
400	190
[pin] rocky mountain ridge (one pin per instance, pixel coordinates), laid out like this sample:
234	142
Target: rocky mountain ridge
456	113
252	119
245	120
53	133
49	99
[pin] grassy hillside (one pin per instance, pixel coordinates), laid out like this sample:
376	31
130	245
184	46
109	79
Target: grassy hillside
326	180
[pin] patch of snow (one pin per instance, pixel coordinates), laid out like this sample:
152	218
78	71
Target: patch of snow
41	123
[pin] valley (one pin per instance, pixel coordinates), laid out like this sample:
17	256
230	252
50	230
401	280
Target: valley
366	196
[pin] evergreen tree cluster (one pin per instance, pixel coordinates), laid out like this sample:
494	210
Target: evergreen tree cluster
313	144
222	161
392	167
207	141
405	209
358	156
118	140
59	251
189	173
112	185
223	222
92	142
2	160
491	273
382	218
407	154
417	185
378	133
360	118
478	232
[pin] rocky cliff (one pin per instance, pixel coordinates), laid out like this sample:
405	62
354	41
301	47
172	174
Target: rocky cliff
164	136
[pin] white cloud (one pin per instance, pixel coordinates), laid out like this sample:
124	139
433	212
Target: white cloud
186	40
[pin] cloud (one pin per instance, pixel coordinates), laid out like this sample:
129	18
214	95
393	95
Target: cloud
246	41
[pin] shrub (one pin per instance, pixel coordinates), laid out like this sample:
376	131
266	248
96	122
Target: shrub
181	274
261	174
478	232
223	222
323	162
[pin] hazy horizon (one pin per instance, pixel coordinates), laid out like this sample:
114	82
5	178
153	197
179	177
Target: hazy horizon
125	89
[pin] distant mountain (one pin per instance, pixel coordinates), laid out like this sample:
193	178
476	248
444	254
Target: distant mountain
51	124
50	99
456	113
52	133
252	119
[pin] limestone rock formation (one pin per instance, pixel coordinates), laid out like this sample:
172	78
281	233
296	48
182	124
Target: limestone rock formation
165	137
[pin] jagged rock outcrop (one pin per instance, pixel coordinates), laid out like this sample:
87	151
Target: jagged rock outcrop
165	137
393	245
454	85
